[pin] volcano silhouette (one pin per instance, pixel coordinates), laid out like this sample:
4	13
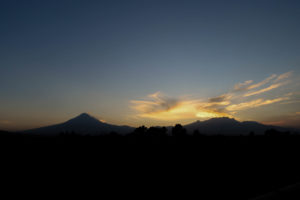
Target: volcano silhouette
230	126
84	124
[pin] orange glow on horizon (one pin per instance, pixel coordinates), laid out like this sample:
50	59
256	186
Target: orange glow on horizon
244	96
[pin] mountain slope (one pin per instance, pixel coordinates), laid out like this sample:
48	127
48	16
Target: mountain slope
82	124
87	125
229	126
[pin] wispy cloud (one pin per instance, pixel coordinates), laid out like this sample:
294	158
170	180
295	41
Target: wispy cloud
284	76
162	107
267	80
254	103
245	86
271	87
220	99
158	103
274	81
242	86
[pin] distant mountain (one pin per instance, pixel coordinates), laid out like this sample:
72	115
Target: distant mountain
229	126
87	125
82	124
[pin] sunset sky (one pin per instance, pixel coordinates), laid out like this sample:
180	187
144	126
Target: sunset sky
151	62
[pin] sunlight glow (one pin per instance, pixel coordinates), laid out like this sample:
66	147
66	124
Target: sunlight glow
161	107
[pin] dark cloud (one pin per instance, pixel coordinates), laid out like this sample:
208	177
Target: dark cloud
218	99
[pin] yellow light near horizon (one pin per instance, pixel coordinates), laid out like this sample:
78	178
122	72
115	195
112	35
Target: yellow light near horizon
207	115
185	110
181	111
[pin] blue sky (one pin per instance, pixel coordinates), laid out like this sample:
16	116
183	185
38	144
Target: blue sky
61	58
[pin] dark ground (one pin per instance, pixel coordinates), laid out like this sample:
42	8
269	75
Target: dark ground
182	167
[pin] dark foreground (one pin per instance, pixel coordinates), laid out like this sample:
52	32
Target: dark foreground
164	167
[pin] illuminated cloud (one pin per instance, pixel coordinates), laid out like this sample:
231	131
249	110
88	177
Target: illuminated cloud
159	103
165	108
271	87
242	86
267	80
219	99
254	104
274	84
245	86
284	76
294	98
161	107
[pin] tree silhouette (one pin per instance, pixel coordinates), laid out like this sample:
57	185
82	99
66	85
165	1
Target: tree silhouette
140	131
251	134
157	132
178	131
197	133
273	132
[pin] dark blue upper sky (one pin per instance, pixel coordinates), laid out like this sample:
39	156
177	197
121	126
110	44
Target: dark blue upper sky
58	58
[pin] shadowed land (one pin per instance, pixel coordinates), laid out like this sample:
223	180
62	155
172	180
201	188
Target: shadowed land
207	167
218	165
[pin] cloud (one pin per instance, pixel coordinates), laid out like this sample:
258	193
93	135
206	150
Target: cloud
159	107
294	98
254	104
291	102
184	109
271	87
245	86
165	108
284	76
216	104
267	80
162	107
274	84
219	99
242	86
159	103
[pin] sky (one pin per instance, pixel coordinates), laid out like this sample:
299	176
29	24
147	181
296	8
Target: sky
149	62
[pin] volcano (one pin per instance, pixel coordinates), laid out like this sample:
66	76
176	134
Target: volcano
84	124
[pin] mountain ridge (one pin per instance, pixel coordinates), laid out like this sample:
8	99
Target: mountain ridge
230	126
85	124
